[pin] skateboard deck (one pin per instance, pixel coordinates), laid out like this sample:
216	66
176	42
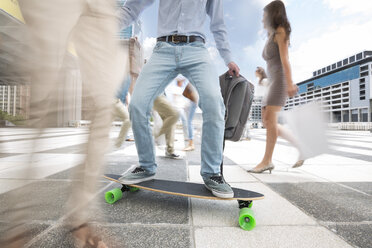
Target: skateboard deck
187	189
245	198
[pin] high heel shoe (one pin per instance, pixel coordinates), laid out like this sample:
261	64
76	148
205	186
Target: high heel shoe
189	148
268	167
299	163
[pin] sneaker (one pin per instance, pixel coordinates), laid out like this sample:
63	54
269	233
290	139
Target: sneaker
218	186
172	155
119	143
138	175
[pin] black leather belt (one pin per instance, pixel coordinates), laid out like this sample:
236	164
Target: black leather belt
180	38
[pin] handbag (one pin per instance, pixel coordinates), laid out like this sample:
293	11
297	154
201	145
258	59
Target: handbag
307	124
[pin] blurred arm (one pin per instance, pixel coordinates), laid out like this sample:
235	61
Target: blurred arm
131	10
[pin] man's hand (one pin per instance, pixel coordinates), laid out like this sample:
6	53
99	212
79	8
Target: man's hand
233	69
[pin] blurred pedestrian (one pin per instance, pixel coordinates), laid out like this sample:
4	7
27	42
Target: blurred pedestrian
170	116
191	94
174	93
120	111
280	85
92	26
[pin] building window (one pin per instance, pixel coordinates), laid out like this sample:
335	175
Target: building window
364	74
328	68
359	56
319	71
310	87
339	63
364	68
323	70
345	61
367	54
314	73
354	115
364	117
346	116
352	59
362	95
333	66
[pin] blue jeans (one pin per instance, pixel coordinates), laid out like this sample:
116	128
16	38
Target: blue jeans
183	119
167	61
190	117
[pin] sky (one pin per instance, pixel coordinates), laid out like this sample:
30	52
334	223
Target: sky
323	32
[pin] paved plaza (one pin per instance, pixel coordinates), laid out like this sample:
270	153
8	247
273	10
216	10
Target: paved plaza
325	203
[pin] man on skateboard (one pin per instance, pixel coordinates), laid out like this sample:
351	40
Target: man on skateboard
180	49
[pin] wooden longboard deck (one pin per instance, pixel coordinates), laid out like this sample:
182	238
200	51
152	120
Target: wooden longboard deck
188	189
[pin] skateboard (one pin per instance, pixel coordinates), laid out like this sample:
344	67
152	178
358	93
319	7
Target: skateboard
245	198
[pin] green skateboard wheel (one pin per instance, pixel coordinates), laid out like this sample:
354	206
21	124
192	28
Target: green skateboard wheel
113	196
133	189
246	219
250	205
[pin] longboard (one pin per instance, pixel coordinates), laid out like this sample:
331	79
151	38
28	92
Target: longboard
245	198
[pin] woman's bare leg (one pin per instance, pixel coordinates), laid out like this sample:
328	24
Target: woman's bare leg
270	119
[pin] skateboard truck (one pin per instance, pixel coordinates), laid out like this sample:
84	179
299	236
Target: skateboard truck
126	188
245	204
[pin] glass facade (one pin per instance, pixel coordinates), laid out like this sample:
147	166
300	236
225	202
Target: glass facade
334	78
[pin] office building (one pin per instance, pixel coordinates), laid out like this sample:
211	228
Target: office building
343	89
255	113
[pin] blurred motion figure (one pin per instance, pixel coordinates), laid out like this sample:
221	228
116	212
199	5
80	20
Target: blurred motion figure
92	26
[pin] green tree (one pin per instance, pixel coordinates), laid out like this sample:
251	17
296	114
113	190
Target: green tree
17	120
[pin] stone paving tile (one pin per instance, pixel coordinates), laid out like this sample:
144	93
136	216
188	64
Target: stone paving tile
4	155
365	187
74	149
168	169
359	236
194	158
39	138
330	159
32	230
144	207
268	237
232	174
335	173
272	210
327	201
283	174
128	236
44	165
47	197
11	184
115	164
